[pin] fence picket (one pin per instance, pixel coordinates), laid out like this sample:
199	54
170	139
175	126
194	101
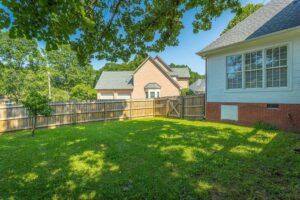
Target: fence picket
15	117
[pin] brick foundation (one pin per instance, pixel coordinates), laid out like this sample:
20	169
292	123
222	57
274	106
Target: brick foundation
286	117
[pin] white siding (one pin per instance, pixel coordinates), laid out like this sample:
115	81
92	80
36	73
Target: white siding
107	96
216	83
123	96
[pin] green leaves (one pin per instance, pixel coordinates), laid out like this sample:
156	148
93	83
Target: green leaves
23	68
83	92
4	19
110	30
37	104
245	12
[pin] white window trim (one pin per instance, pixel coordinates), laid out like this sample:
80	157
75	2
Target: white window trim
264	88
152	90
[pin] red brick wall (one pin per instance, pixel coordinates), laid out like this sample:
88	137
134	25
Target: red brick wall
286	117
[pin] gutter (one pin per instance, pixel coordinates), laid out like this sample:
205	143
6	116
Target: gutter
205	53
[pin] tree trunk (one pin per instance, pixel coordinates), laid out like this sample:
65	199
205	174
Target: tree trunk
33	125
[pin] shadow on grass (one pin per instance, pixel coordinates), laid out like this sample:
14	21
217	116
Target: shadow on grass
149	159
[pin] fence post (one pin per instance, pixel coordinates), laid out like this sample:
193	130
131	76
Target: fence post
182	107
104	111
130	109
153	108
166	107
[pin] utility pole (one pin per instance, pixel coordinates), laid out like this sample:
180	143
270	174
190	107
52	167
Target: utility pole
49	83
49	79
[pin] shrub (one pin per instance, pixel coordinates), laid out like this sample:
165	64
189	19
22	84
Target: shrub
186	92
261	125
83	92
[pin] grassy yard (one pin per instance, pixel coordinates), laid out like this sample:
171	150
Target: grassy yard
151	158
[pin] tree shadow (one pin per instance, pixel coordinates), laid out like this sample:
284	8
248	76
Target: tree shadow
149	159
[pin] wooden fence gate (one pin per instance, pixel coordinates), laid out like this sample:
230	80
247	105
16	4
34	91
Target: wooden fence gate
189	107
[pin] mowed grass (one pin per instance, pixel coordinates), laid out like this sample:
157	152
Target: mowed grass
151	158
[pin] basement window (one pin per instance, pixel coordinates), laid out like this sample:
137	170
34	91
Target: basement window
273	106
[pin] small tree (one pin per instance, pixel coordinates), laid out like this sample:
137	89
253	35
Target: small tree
36	104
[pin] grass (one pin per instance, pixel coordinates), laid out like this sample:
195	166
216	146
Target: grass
151	158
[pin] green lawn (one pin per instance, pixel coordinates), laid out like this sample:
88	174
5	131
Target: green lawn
151	158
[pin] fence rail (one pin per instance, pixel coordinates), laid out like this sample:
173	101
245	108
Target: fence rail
15	117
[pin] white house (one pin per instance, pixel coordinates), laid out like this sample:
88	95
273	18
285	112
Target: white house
253	70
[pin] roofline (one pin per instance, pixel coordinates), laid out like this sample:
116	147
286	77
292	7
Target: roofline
176	75
114	89
159	67
205	53
163	62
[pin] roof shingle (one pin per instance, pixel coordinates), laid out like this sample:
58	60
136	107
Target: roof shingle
180	72
275	16
115	80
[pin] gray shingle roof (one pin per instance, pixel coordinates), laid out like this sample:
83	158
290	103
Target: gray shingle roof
115	80
275	16
180	72
198	86
124	79
152	86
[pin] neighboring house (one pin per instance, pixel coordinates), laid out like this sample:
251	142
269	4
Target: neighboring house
198	87
253	70
152	79
4	100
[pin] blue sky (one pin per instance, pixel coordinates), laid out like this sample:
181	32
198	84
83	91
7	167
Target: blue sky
189	43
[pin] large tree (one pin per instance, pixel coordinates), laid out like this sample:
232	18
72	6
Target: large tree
66	70
245	12
109	30
19	53
23	67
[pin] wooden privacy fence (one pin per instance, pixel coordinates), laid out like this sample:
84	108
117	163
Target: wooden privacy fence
15	117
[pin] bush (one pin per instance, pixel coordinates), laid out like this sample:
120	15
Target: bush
261	125
186	92
59	95
83	92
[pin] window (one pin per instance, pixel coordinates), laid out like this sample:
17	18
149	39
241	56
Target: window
152	93
272	106
267	68
234	71
276	67
253	70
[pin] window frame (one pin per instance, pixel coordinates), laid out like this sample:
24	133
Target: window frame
264	87
149	91
226	73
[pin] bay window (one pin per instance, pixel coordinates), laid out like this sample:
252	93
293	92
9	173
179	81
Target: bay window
249	69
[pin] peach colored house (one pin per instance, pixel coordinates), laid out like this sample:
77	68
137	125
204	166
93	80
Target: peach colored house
152	79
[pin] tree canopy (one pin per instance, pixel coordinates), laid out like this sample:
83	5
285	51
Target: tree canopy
24	67
245	12
108	30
